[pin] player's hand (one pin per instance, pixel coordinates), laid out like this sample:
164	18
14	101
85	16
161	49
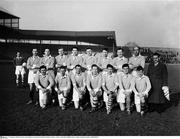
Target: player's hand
59	92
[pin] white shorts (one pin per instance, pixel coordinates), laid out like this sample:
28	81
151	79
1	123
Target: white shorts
31	76
75	95
60	96
121	97
43	98
20	70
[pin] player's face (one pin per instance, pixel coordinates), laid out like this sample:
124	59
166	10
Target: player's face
43	71
136	51
89	52
125	70
60	51
140	73
110	70
18	54
62	71
34	52
155	59
104	53
78	70
47	52
74	51
95	70
119	53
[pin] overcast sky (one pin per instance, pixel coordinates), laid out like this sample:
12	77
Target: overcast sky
148	23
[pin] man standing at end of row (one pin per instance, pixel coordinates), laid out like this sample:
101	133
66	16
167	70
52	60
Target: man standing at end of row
19	68
33	64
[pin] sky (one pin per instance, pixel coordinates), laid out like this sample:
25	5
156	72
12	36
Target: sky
151	23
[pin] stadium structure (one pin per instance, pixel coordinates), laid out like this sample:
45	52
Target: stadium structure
13	39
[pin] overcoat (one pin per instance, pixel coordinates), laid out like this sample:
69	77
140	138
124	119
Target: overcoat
158	76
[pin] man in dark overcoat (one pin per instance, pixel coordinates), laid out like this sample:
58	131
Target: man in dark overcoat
158	75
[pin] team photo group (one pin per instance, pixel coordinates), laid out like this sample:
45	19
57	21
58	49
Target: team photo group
99	80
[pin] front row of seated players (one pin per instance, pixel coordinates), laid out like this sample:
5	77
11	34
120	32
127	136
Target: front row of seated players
110	86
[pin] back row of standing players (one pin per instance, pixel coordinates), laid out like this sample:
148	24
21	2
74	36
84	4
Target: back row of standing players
76	75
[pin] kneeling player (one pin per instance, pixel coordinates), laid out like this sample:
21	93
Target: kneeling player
109	85
141	86
94	82
44	82
79	90
62	86
125	90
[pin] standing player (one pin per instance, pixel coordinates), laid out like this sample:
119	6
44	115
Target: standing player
61	59
141	86
49	62
74	59
89	59
44	82
104	60
19	64
33	64
94	84
62	86
125	90
79	87
136	60
109	85
119	60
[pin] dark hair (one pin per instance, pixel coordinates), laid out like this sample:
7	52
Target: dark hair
94	65
42	67
139	68
106	49
74	48
125	65
156	54
120	49
88	48
110	66
78	66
